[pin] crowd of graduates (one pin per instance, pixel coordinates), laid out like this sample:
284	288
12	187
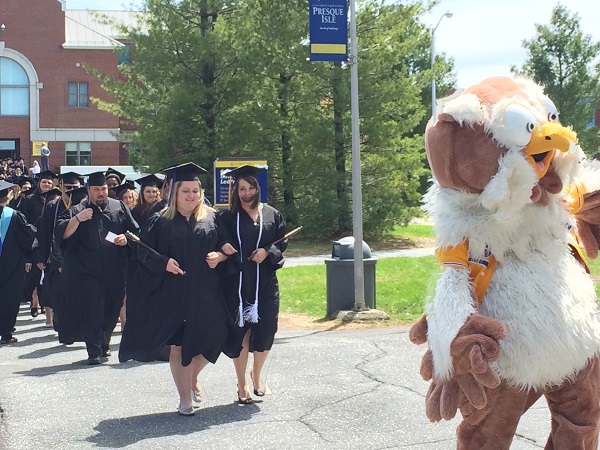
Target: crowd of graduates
183	279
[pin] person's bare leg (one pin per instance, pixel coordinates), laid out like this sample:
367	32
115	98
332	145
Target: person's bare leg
241	363
182	376
198	363
259	362
122	313
49	316
35	303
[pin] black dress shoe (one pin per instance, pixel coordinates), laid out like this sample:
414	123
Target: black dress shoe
93	361
106	353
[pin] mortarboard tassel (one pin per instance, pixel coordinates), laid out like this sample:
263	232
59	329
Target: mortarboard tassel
250	313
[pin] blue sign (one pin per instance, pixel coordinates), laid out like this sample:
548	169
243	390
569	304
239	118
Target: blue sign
328	26
223	183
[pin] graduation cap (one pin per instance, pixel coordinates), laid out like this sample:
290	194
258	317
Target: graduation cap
245	171
112	173
47	175
24	180
150	180
120	189
52	193
5	187
96	179
77	195
70	178
184	172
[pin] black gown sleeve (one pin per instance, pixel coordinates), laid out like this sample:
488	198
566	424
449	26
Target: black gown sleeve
150	236
61	226
275	252
44	233
24	232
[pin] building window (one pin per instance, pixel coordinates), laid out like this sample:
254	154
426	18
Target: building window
124	54
14	89
78	154
78	95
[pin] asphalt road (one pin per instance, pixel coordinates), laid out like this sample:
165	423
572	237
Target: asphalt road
357	389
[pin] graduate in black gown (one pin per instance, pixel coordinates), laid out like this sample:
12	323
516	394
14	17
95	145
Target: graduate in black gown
16	240
91	236
48	256
25	184
32	207
150	187
177	299
249	229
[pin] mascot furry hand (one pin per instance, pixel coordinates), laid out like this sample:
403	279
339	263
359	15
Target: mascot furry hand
514	315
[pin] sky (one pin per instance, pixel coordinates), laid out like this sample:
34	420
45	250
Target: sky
484	37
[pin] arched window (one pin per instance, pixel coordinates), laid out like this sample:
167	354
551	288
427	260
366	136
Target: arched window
14	89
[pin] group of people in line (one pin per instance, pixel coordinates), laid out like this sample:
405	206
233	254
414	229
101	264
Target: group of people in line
15	170
197	282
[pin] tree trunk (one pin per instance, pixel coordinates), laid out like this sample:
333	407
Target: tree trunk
286	149
344	218
207	79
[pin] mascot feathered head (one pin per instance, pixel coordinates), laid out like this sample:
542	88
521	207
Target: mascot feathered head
501	139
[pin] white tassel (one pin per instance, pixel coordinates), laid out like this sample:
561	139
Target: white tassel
240	315
251	313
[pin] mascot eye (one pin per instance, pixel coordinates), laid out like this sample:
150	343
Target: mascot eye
550	108
519	124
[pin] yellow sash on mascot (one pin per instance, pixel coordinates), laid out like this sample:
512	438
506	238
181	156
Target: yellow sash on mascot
480	269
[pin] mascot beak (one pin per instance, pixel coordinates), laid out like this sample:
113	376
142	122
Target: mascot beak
545	140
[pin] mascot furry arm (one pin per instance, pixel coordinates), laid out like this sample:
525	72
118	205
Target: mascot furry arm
505	212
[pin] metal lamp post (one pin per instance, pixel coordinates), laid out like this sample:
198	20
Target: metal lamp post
447	14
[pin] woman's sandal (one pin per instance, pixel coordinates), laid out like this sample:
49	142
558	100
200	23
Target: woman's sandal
34	312
12	340
244	400
258	392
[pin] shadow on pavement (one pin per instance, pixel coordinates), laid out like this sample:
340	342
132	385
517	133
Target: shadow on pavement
119	433
48	351
51	370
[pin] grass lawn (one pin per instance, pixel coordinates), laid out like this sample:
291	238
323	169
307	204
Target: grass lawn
402	285
401	237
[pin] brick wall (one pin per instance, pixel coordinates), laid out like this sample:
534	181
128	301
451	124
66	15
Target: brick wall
36	29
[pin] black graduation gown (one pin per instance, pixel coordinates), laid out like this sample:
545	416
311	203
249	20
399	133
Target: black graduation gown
17	243
49	253
33	207
140	218
263	332
93	274
159	302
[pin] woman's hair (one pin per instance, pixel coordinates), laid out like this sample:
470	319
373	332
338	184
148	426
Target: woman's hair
35	163
199	212
7	198
122	193
235	197
142	203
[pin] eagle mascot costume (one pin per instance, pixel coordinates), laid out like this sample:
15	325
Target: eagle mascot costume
514	314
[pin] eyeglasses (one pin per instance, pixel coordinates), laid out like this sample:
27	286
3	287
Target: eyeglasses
68	187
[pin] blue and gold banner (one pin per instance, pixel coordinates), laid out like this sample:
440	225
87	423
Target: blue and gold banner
328	26
223	183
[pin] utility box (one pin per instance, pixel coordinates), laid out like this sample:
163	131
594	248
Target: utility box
340	276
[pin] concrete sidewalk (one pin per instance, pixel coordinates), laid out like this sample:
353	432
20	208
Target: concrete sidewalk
294	261
357	389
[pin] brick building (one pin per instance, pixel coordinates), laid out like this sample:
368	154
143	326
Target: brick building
45	91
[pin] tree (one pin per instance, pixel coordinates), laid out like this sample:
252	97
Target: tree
561	58
231	78
179	82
